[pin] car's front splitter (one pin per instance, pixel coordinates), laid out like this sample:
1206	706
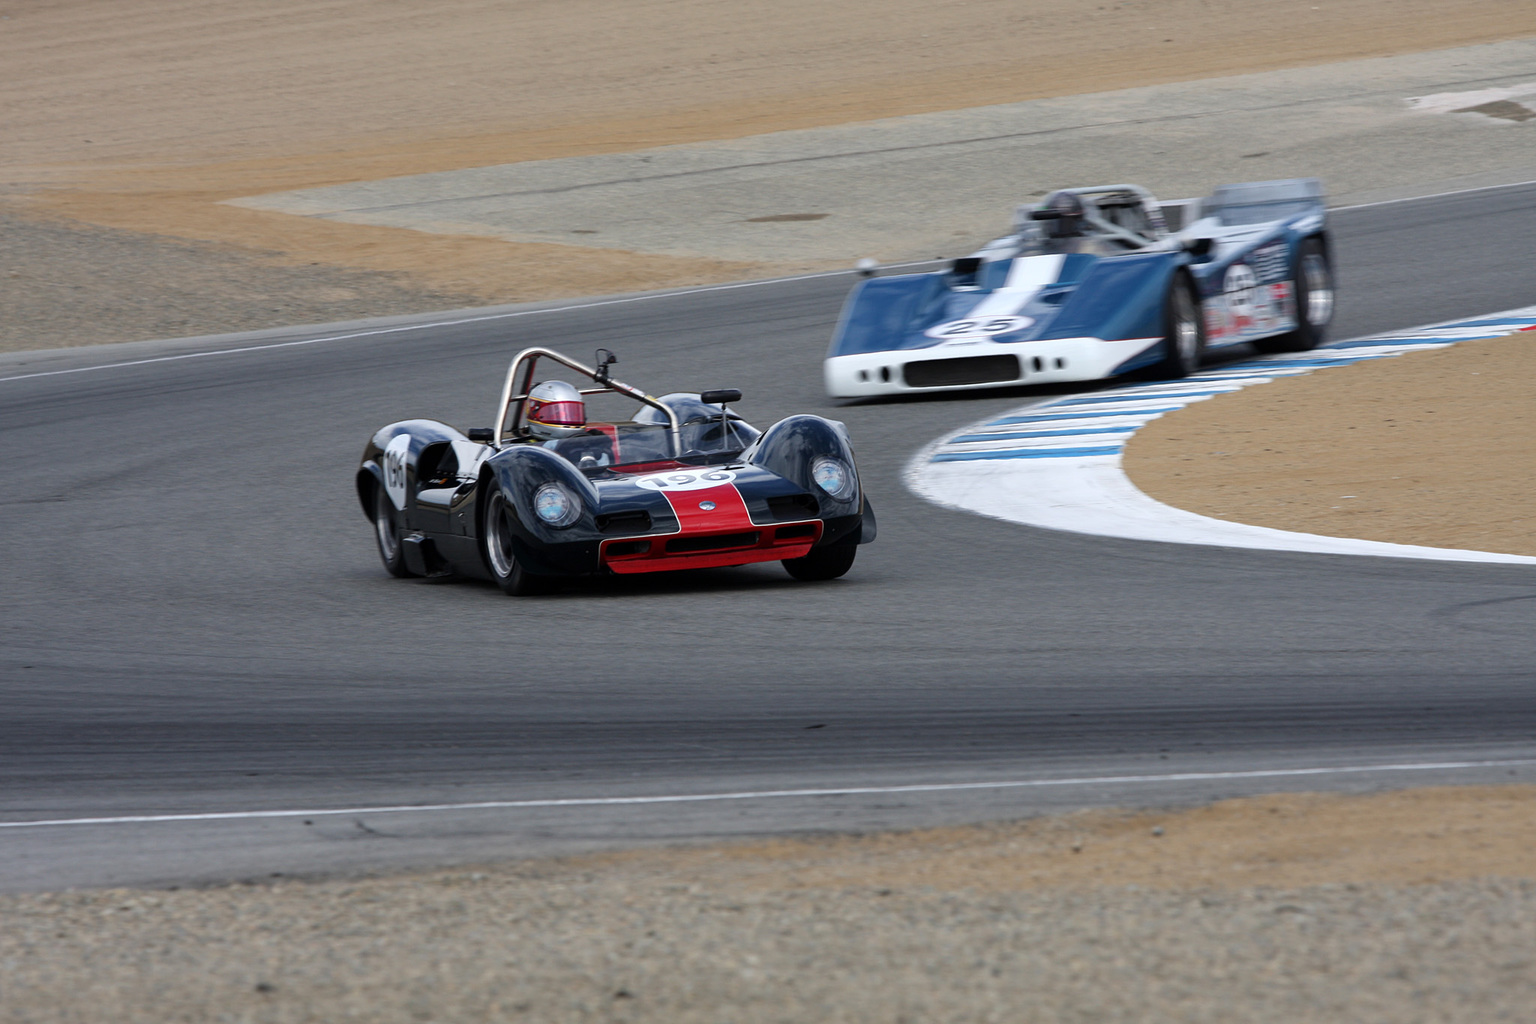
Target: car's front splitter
979	364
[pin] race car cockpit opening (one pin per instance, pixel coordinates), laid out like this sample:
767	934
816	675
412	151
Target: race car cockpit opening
704	430
705	437
1095	221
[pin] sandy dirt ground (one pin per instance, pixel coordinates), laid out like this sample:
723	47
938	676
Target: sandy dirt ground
1407	907
126	123
143	114
1433	448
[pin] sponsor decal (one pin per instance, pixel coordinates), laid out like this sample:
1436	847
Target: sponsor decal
395	457
981	325
1250	309
1216	326
1271	262
1238	287
689	480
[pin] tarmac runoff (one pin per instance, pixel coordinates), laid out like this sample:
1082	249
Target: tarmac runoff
932	185
1057	464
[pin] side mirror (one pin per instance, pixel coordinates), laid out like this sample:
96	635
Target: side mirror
720	396
867	267
481	435
604	359
1198	246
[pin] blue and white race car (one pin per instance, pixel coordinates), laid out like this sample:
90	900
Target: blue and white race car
1093	283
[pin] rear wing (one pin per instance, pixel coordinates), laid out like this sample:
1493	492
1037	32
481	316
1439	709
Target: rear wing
1260	201
1253	202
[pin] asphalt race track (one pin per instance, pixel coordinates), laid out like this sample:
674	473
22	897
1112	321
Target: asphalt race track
196	622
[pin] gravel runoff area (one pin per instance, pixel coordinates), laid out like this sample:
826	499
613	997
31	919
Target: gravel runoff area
1432	448
1401	907
128	124
64	283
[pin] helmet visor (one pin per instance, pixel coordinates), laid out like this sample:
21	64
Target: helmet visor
558	414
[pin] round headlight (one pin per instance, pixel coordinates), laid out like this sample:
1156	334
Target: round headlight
554	504
833	476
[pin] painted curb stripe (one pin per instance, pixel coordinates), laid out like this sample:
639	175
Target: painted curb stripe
1007	420
1178	394
1133	397
1026	453
1041	433
1497	322
1093	495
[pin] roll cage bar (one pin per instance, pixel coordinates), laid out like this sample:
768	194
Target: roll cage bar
1095	204
521	379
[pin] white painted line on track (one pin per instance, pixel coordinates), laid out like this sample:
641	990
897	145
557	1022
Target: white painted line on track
1435	195
434	324
782	794
650	296
1043	465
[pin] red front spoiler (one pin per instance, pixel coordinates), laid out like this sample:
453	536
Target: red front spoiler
710	550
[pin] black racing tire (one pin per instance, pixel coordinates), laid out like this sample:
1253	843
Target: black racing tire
496	547
1183	330
824	563
1314	302
386	532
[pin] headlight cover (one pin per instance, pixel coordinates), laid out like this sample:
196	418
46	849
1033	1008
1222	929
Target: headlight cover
555	505
833	476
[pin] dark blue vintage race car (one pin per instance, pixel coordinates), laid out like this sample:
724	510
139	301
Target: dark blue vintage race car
679	482
1094	282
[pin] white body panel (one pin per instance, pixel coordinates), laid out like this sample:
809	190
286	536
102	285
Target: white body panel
1041	362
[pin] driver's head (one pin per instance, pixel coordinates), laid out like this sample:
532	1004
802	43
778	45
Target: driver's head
555	409
1067	221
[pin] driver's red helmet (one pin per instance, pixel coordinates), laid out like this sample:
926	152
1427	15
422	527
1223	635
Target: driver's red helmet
555	409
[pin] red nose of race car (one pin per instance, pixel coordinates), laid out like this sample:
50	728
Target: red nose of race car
714	529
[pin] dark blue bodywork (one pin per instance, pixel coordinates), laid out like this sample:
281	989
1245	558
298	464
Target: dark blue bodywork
1240	256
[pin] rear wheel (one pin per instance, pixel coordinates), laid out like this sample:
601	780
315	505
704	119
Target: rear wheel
824	563
386	530
1314	302
496	543
1183	330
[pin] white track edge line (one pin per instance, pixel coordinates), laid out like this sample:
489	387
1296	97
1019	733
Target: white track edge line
612	302
1433	195
431	325
779	794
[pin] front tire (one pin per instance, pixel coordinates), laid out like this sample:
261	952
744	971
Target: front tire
496	545
1183	330
823	563
1314	302
386	531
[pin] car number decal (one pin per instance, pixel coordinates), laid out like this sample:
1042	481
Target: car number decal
394	468
1239	288
986	325
689	480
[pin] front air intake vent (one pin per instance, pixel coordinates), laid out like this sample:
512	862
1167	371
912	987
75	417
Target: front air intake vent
635	521
793	506
716	542
939	373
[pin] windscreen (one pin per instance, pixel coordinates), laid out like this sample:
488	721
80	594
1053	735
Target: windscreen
625	433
